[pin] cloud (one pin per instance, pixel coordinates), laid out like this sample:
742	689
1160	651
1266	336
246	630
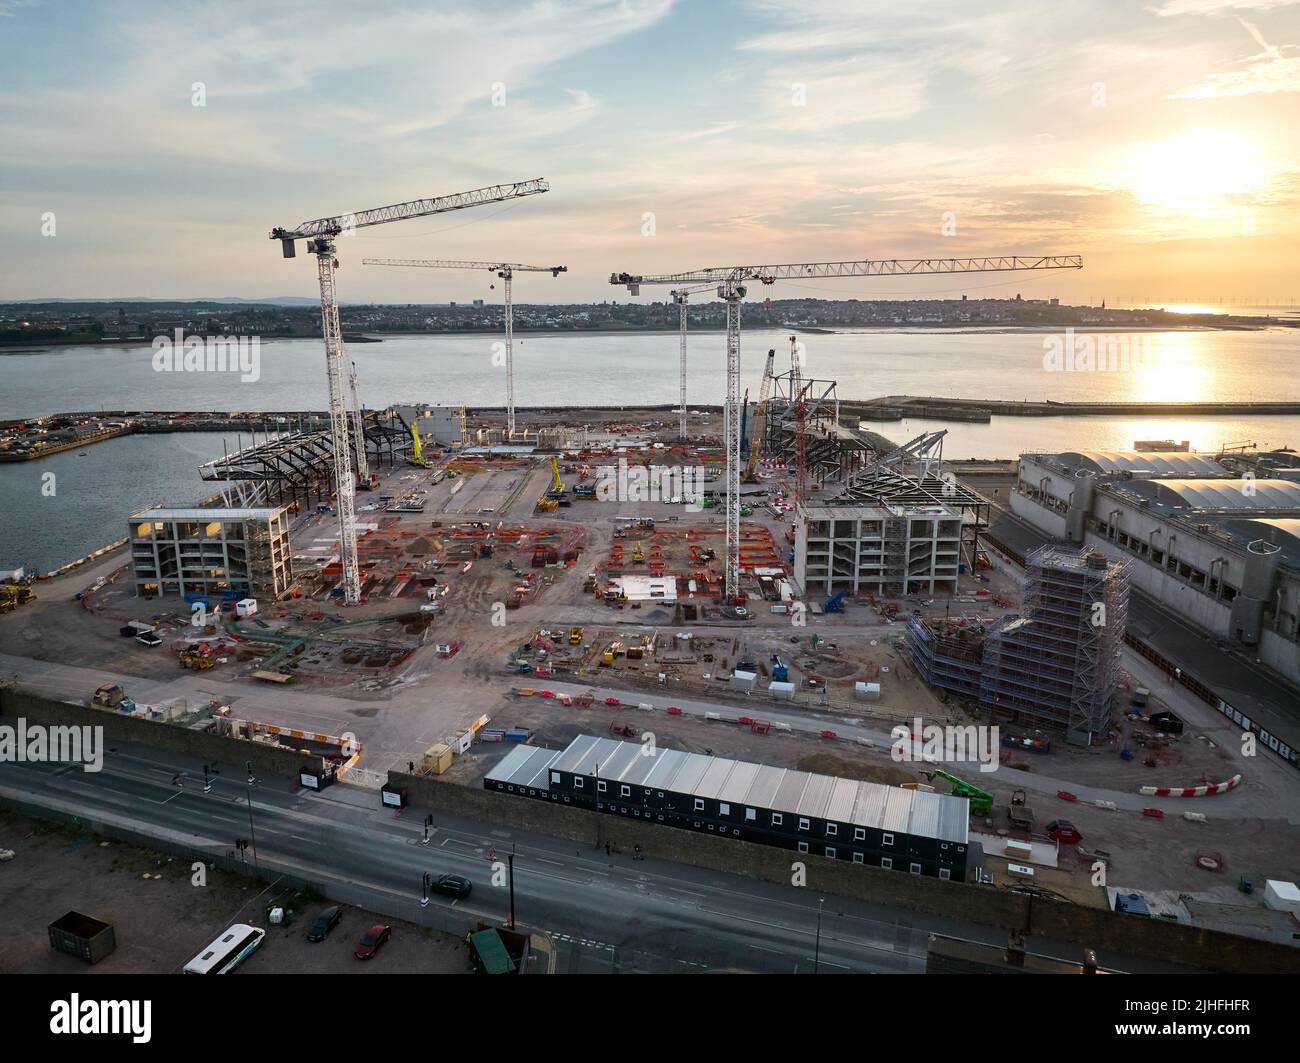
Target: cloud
1274	69
1216	7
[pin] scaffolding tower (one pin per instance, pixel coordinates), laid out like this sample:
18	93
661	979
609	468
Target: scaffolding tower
1059	663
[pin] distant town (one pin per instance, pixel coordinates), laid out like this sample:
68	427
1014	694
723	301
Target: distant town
67	322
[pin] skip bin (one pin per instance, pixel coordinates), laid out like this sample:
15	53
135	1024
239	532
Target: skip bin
80	935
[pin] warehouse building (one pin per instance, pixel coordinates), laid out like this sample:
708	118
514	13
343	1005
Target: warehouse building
1212	540
215	552
843	819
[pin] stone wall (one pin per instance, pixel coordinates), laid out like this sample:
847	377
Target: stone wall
120	727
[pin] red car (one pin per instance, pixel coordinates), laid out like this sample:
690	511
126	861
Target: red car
612	701
1063	831
372	940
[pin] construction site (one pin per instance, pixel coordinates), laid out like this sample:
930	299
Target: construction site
775	582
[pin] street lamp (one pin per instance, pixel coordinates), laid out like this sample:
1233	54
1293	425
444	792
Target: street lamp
424	889
428	822
252	781
817	952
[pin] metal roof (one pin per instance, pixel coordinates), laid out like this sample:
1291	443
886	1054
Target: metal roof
738	782
525	766
1158	464
1219	494
1282	532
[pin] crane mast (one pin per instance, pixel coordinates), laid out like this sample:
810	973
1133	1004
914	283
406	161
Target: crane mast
504	270
681	297
731	289
320	235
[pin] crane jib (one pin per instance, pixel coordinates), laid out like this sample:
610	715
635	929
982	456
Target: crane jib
416	208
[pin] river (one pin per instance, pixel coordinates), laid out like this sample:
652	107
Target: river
616	369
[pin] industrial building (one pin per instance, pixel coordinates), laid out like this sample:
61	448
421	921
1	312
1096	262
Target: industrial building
214	552
1215	540
843	819
1057	666
899	525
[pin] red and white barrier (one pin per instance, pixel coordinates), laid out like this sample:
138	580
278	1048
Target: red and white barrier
1192	791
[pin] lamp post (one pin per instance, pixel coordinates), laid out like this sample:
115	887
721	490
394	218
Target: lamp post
424	890
252	781
510	858
817	951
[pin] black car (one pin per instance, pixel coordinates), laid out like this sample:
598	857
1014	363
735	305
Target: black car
324	923
452	885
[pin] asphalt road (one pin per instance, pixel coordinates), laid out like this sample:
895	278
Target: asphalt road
601	913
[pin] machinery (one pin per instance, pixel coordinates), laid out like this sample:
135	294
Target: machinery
195	662
557	492
320	235
981	801
760	410
504	270
1018	812
780	670
730	282
835	603
417	449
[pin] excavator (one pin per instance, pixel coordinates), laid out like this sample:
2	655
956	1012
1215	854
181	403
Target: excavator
981	801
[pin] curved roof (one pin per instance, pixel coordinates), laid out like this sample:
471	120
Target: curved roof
1109	462
1281	531
1219	494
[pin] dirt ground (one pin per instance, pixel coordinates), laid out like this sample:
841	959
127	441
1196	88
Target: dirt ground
161	922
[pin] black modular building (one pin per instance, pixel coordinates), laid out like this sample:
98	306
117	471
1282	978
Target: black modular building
845	819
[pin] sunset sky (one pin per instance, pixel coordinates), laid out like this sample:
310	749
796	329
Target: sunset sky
1159	140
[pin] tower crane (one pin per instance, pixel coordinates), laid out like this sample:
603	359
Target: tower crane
730	282
504	270
320	235
681	296
800	423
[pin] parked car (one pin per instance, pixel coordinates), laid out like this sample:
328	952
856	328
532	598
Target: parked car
373	940
1063	831
452	885
148	639
324	923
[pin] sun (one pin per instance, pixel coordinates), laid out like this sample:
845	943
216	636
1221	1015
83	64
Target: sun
1203	172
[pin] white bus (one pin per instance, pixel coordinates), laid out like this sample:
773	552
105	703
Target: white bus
226	953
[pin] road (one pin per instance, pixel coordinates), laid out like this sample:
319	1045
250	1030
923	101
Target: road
603	913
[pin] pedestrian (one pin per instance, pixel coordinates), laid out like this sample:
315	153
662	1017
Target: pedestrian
607	848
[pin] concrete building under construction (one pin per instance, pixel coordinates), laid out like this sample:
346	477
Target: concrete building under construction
1057	666
900	525
217	553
